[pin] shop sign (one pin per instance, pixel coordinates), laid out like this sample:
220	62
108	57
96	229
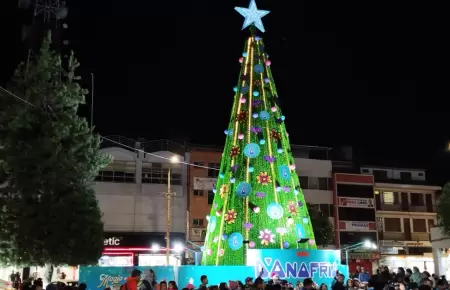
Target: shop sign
363	256
356	202
409	244
113	241
358	226
203	183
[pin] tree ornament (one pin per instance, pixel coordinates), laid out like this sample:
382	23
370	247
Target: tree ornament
243	100
241	116
264	115
275	134
241	136
252	150
268	62
285	172
275	211
273	109
223	190
235	150
264	178
252	16
241	60
255	104
266	237
292	208
243	189
235	241
258	68
230	216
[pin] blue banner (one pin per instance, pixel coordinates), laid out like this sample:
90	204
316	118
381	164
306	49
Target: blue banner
97	277
296	265
216	274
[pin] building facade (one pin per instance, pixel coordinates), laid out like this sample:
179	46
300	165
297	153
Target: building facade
132	195
355	217
406	211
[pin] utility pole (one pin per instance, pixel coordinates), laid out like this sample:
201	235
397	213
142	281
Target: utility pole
168	196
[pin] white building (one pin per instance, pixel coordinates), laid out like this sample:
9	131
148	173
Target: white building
131	192
314	169
405	211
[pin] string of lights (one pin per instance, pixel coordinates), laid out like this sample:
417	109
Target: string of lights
118	143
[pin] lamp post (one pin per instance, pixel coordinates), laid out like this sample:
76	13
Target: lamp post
364	244
168	196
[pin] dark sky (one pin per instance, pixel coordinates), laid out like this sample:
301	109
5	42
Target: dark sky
346	73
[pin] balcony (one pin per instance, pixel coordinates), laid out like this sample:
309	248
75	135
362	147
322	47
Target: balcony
420	236
394	236
390	207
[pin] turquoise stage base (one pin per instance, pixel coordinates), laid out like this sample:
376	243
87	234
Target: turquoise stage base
291	265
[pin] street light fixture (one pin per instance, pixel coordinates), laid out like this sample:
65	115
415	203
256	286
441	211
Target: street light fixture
168	195
155	248
364	244
178	248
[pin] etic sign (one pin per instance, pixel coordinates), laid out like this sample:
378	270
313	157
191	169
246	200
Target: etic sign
112	242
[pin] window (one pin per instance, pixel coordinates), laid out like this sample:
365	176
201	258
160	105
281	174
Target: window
380	174
199	163
392	225
198	192
197	222
304	182
388	197
356	214
323	183
405	176
365	170
417	199
213	171
313	182
115	176
421	174
419	225
354	190
156	166
210	197
159	176
431	224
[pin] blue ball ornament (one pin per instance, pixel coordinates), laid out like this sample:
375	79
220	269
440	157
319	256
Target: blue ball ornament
264	115
259	68
251	169
286	245
230	132
255	115
224	237
296	191
214	190
212	224
221	175
235	89
275	211
300	231
262	141
257	38
244	54
243	189
266	80
252	150
225	131
283	118
232	180
235	241
278	189
285	173
245	89
305	220
255	93
280	150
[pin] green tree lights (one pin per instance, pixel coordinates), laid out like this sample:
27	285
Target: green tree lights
258	202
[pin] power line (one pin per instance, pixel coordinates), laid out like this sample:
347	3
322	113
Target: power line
112	141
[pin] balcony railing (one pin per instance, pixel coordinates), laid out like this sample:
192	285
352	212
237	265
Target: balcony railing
393	236
391	207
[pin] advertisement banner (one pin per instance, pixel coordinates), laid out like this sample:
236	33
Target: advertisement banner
356	202
97	277
295	265
216	274
358	226
204	183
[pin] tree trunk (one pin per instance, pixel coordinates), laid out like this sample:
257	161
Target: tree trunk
48	273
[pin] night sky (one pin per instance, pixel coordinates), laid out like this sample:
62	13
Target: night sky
346	73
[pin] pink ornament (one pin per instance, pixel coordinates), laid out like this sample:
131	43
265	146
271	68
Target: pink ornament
274	109
241	59
209	252
218	213
252	244
311	242
268	63
256	209
243	100
292	167
221	252
241	136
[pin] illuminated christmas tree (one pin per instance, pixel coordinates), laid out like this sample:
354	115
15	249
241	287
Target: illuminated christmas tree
258	202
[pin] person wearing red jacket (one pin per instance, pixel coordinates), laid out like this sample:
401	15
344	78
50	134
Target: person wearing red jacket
133	280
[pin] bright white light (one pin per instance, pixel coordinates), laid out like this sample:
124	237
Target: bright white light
178	248
155	248
290	221
370	245
374	247
174	159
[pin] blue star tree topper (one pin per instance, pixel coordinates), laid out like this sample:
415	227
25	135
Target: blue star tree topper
252	16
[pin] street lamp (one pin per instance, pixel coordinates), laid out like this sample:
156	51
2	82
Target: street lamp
364	244
169	194
155	248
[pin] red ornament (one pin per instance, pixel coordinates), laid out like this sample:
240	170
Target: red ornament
235	151
275	134
241	116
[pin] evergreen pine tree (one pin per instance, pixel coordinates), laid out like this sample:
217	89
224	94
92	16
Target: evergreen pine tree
443	212
321	224
48	162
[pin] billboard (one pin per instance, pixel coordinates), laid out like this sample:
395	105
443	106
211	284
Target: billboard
356	202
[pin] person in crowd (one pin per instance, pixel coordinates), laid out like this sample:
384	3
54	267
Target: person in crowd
413	286
132	281
426	275
441	284
172	285
400	274
425	287
223	286
339	283
416	276
408	273
356	274
308	284
349	284
248	282
203	281
163	285
214	287
259	283
363	275
323	286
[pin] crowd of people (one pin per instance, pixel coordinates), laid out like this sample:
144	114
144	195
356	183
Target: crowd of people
384	279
